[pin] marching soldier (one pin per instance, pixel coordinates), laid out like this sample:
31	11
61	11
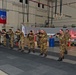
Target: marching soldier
11	34
43	42
4	36
21	39
31	44
61	37
67	37
38	39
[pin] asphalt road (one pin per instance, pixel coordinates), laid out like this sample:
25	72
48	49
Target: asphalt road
13	62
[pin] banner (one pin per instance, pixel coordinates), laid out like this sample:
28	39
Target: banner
24	30
3	17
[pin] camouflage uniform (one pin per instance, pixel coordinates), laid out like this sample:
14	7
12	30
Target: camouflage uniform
43	43
62	46
31	44
67	37
38	39
4	37
21	40
11	34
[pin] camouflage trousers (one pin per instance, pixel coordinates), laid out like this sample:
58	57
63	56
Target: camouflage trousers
11	42
31	45
62	48
43	48
21	44
4	41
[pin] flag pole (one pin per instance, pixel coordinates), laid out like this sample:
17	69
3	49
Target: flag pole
3	9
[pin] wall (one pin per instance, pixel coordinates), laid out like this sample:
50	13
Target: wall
37	15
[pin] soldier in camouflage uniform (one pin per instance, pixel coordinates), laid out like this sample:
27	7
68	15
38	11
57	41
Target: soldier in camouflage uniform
4	36
43	42
38	39
21	39
31	45
61	37
67	37
11	34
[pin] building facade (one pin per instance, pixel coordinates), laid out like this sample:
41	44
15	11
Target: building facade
38	13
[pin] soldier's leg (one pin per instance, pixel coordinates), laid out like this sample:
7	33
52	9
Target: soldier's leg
45	50
33	47
62	49
4	42
19	45
41	49
12	43
8	43
22	45
29	47
66	48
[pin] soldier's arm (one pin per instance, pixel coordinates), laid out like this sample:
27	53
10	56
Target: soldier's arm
17	33
8	33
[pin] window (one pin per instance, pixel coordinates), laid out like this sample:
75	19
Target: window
21	1
38	4
26	1
42	5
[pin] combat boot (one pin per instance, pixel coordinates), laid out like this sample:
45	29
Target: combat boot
11	47
45	55
33	51
60	59
65	52
41	53
22	50
63	57
19	49
29	51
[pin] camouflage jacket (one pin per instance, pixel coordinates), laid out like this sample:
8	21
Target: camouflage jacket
30	37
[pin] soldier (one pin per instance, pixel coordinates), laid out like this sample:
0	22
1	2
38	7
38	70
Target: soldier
4	36
38	39
31	44
61	37
43	43
21	39
67	37
11	34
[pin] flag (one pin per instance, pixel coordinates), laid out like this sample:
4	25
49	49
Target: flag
24	30
2	17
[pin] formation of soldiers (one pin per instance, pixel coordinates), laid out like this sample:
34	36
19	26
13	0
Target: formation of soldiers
8	40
